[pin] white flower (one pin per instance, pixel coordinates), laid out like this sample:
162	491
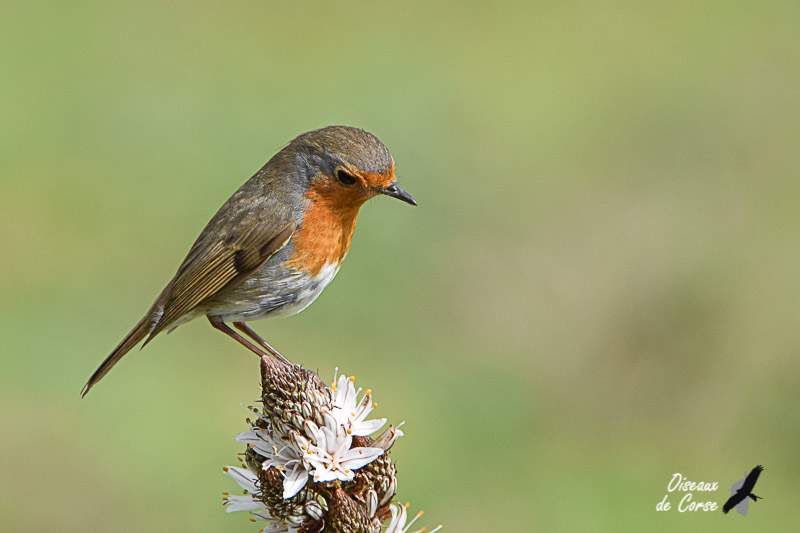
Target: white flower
291	461
351	413
243	503
332	456
386	439
399	517
284	453
275	526
249	501
260	440
245	478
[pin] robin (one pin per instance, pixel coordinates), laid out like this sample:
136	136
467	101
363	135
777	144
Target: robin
276	243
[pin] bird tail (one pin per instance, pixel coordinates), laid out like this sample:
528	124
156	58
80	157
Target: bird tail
755	498
133	338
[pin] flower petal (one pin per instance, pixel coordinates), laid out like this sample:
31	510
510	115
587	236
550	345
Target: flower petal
386	439
242	503
324	474
355	458
398	522
260	440
245	478
367	427
294	480
345	392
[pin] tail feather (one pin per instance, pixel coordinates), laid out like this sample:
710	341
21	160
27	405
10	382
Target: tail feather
139	332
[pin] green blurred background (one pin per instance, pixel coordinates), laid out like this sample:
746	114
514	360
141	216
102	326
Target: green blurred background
599	288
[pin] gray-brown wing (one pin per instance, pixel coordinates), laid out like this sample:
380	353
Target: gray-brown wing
213	266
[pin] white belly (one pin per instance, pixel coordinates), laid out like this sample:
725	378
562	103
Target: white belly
283	296
306	295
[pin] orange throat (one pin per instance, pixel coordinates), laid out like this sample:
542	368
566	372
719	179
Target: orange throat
327	229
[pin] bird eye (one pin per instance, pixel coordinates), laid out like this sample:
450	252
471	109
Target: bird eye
345	178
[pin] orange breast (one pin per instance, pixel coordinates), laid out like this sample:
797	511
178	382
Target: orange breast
327	229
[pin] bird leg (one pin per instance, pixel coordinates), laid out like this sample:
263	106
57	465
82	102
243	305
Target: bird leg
217	323
241	326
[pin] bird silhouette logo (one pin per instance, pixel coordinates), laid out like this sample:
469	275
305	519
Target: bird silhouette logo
741	490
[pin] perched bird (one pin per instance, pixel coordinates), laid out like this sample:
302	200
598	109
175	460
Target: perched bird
745	490
276	243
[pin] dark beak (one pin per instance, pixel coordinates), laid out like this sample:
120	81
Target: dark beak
395	191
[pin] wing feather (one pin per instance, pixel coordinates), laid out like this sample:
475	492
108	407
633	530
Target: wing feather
225	264
752	477
733	501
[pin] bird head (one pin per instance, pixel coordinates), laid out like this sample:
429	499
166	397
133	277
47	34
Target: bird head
346	166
